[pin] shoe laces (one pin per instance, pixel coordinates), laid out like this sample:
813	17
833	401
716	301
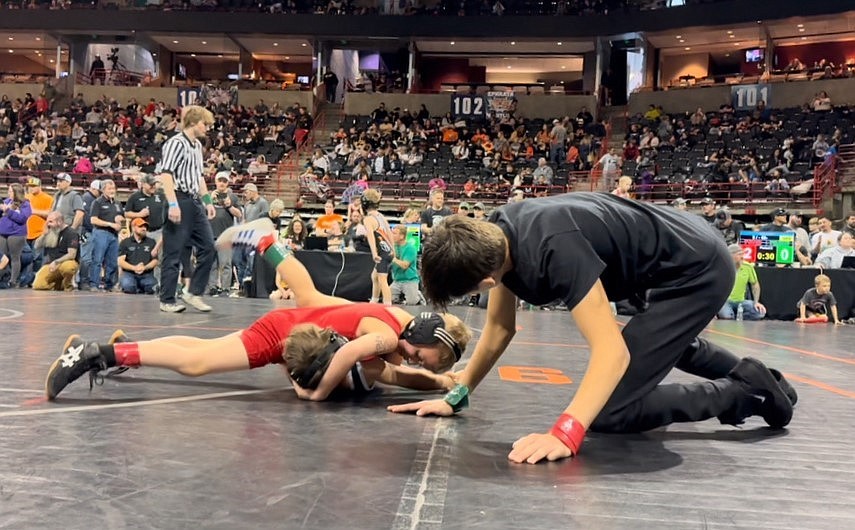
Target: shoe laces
95	375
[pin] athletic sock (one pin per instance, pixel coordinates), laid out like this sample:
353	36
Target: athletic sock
120	354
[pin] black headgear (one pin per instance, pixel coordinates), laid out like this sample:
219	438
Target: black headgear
429	328
312	375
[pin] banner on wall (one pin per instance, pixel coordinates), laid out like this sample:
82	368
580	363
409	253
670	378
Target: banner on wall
501	103
208	95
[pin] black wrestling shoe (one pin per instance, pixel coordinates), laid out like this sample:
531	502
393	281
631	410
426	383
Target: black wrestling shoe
78	358
117	337
785	386
774	405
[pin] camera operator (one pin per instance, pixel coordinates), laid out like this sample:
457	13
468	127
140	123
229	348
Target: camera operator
226	212
97	71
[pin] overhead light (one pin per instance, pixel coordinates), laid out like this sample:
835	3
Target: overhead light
304	45
737	43
451	43
287	58
175	42
559	43
513	43
802	30
687	48
682	41
11	38
204	42
51	60
38	38
730	32
732	36
800	26
804	38
276	44
679	36
563	67
13	51
509	66
727	55
192	55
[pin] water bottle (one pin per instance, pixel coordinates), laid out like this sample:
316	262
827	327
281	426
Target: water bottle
740	311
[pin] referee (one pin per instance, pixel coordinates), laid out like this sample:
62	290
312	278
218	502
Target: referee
190	207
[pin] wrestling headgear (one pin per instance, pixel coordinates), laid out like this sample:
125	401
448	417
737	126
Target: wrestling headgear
429	328
312	375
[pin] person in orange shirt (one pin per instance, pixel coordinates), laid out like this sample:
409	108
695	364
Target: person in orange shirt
41	203
324	224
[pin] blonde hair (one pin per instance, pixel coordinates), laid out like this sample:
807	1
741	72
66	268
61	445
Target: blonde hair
371	195
303	345
821	278
194	114
461	334
411	211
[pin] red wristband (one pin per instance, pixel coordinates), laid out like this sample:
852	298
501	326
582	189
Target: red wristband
265	242
570	431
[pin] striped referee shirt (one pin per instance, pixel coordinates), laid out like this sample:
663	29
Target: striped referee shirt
182	158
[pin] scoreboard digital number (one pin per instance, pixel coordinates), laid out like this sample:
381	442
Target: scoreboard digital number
768	248
468	106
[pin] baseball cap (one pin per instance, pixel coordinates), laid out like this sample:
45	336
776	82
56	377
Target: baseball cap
148	179
479	206
707	200
139	221
223	176
679	201
463	205
63	176
250	187
779	211
34	181
95	185
734	249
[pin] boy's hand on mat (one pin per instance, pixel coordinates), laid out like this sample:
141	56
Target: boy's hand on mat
434	407
535	447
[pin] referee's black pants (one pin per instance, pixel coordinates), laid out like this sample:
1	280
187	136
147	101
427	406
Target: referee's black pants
194	231
664	336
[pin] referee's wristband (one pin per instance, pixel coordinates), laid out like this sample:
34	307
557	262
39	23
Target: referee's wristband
458	397
570	431
171	204
206	199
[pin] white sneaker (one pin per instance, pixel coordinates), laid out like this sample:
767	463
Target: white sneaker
248	235
197	302
172	308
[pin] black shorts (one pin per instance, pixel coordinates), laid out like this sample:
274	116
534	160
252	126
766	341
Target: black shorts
385	263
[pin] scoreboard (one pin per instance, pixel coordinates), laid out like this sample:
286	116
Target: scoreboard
768	248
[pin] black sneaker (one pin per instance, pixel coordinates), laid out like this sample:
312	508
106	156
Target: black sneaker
775	406
78	357
785	386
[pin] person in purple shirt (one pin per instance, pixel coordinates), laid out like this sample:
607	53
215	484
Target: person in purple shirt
15	211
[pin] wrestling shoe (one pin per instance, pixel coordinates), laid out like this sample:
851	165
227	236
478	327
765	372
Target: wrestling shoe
117	337
78	357
785	386
258	234
774	405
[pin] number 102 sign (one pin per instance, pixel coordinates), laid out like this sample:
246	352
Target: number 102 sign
746	97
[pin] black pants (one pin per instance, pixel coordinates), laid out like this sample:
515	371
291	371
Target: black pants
194	231
664	335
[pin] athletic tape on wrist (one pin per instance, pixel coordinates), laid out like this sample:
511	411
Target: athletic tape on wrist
458	397
274	253
570	431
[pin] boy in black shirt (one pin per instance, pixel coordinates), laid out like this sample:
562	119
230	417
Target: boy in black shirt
817	303
587	249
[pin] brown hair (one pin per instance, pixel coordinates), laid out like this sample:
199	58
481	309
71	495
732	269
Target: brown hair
457	255
302	347
193	114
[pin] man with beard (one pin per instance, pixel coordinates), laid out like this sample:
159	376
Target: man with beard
137	261
60	243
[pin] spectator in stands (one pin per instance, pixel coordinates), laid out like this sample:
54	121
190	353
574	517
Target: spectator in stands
436	211
729	227
277	206
680	203
624	185
41	205
59	244
557	143
97	71
254	207
335	237
849	225
258	167
405	275
653	113
479	211
68	202
107	216
820	146
745	276
320	161
542	173
821	102
708	209
825	238
832	258
137	260
802	243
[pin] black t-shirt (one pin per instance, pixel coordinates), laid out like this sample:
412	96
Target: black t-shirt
223	218
431	217
106	210
560	245
136	252
68	238
772	227
88	199
819	304
157	208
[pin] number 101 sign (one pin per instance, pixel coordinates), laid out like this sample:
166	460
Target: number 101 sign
746	97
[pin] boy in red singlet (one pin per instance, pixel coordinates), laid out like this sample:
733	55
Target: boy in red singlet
326	342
